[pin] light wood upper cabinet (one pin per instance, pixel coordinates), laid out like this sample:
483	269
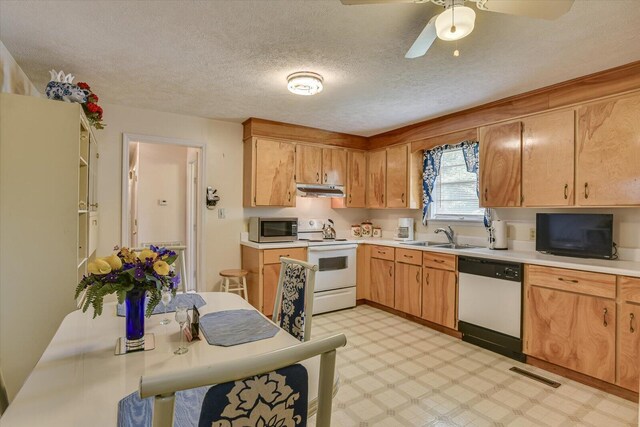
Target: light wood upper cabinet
376	178
408	288
356	179
500	159
439	297
571	330
274	183
608	153
547	159
308	164
397	176
382	288
334	166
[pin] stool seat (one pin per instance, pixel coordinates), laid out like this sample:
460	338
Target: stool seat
234	273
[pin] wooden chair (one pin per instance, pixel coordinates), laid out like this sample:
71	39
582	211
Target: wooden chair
293	307
236	376
238	285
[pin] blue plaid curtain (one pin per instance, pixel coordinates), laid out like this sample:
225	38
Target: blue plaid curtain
431	169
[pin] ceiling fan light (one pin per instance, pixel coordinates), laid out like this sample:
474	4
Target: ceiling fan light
305	83
462	23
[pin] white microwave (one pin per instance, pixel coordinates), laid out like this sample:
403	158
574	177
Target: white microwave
265	230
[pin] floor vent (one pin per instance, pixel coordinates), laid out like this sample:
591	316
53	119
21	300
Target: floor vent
536	377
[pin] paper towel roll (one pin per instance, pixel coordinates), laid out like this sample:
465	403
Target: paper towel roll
499	234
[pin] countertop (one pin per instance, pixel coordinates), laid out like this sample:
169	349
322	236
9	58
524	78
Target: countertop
618	267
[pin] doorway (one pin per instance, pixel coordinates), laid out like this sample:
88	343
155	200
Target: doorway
161	200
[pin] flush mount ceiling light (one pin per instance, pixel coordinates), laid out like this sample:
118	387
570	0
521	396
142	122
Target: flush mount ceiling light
455	23
305	83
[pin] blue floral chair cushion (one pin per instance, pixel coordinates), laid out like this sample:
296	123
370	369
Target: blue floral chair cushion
274	399
292	309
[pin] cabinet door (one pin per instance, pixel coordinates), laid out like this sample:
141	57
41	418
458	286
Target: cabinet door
608	153
334	166
356	179
628	346
271	274
275	163
382	282
500	159
308	164
397	176
439	297
547	165
376	178
408	288
571	330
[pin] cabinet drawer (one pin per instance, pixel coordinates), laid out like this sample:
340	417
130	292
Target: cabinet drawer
629	289
383	252
596	284
441	261
272	256
408	256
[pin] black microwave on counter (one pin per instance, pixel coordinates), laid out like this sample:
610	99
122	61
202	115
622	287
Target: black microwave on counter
575	235
265	230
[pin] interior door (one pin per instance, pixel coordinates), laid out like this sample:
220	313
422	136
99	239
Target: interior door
334	166
382	281
500	165
275	164
397	178
308	164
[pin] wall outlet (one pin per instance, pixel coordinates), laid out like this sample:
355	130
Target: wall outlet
222	214
532	234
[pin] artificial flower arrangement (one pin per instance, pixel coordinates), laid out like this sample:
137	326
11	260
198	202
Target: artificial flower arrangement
149	270
91	108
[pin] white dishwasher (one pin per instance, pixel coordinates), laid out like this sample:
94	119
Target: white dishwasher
490	305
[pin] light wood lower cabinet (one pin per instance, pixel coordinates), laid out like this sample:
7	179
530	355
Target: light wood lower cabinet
628	351
271	274
573	330
439	297
382	288
408	288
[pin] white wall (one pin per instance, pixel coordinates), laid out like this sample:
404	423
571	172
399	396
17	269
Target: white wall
223	165
12	78
162	175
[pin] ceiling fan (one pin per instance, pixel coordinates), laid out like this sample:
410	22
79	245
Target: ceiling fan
457	20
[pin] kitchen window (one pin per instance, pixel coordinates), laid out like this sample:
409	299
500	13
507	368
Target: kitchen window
455	196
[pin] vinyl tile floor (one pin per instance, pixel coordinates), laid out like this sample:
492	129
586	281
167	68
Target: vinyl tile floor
394	372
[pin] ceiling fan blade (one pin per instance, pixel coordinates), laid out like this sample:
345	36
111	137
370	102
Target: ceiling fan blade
424	40
544	9
359	2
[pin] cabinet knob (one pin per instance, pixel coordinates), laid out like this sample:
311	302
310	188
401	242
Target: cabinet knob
418	277
631	328
586	190
317	176
566	191
604	317
402	198
289	196
485	194
391	271
325	178
350	198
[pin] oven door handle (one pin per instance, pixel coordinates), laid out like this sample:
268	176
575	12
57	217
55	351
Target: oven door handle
331	248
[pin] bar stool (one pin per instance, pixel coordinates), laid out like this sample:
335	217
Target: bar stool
238	285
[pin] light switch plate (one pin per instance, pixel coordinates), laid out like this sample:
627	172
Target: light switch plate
222	214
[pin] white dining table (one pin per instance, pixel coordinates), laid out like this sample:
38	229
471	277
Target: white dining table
79	381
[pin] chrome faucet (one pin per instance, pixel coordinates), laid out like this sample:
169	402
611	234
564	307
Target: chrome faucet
449	233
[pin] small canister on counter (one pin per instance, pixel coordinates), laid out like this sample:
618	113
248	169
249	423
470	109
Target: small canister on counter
377	231
367	228
356	230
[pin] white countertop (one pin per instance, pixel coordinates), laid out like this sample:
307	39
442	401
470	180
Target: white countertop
622	268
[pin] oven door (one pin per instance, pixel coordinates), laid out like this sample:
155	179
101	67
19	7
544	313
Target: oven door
278	230
336	266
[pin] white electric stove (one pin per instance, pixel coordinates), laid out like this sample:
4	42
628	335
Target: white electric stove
335	287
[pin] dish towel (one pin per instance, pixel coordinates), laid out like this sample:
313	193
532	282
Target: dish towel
136	412
187	299
233	327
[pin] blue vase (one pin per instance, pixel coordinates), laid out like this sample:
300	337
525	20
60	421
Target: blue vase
135	306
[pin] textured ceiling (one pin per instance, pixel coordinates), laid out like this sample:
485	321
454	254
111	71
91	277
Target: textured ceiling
229	59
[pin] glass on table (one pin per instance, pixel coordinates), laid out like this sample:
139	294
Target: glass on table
166	299
181	318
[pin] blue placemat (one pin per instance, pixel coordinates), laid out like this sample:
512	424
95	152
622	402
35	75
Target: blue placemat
233	327
187	299
136	412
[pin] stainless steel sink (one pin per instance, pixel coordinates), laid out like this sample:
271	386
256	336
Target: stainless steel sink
423	244
456	246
